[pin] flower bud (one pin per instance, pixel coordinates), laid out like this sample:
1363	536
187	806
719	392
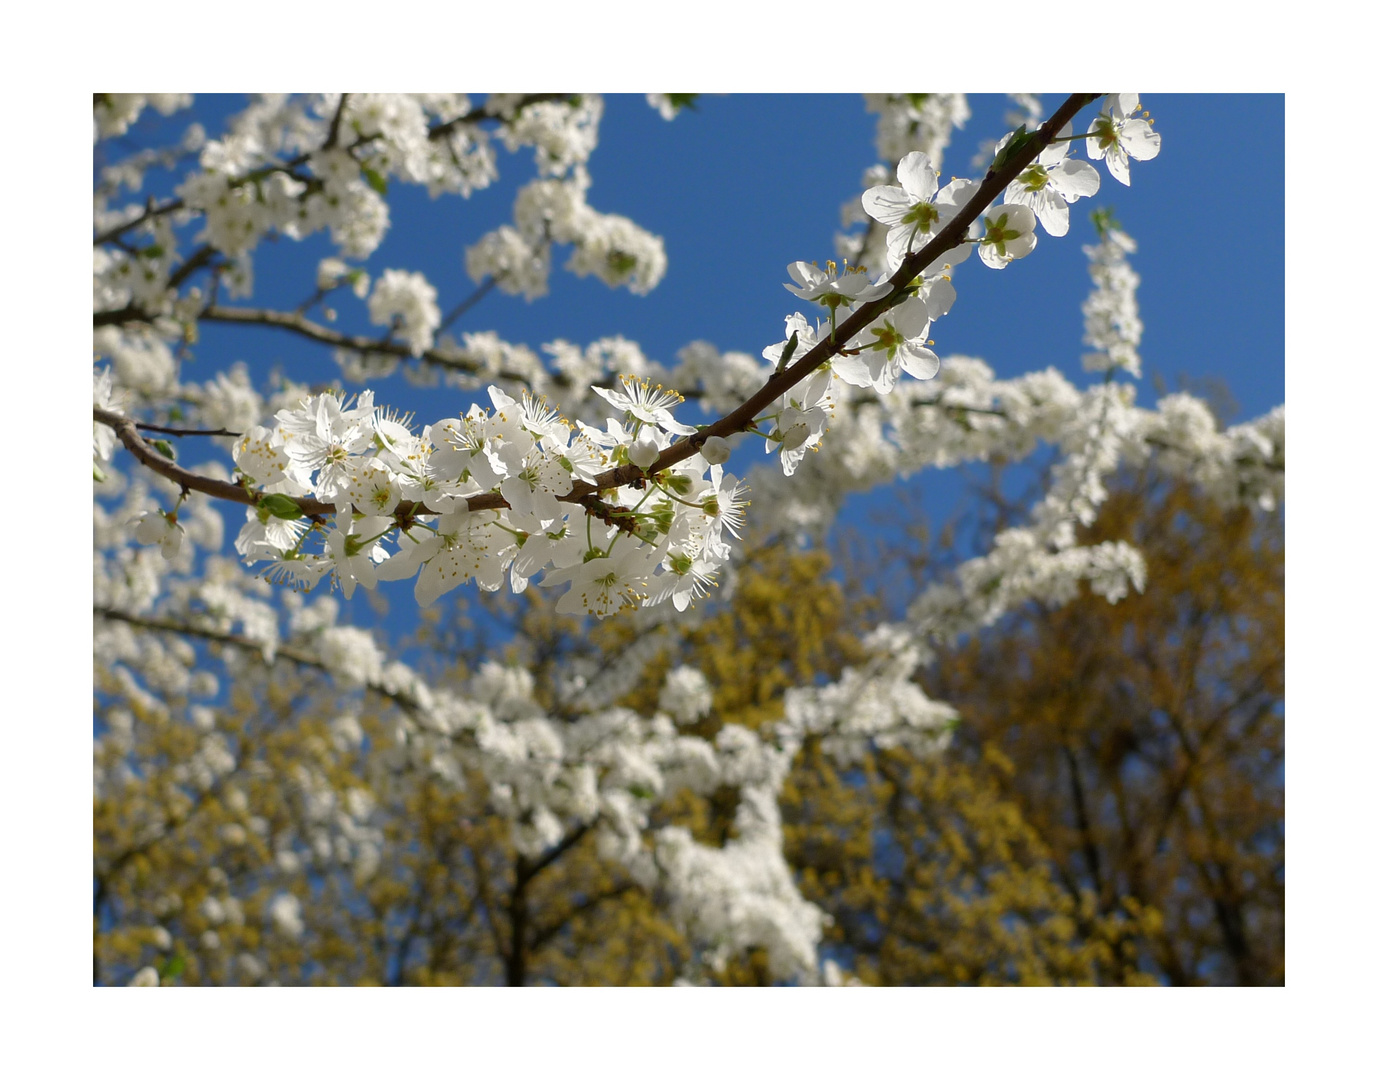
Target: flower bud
715	450
643	452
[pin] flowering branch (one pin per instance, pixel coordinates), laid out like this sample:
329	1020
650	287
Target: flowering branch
239	641
126	430
953	234
473	116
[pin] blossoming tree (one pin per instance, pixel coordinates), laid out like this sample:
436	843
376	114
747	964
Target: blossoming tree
614	501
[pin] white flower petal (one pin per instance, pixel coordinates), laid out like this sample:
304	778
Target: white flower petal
917	175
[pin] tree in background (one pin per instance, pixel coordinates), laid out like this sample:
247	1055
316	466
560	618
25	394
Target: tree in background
1109	809
1143	742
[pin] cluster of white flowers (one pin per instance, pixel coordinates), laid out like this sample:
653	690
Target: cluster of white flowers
406	301
922	122
1113	328
608	246
114	113
661	539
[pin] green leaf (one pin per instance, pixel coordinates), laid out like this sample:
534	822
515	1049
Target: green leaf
175	965
376	180
165	448
281	506
683	101
640	792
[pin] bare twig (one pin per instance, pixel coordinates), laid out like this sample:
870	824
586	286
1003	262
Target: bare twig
187	431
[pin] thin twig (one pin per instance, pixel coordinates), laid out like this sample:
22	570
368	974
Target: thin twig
187	431
485	287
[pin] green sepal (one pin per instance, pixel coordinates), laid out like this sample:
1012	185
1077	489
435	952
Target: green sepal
96	474
281	506
788	351
1022	137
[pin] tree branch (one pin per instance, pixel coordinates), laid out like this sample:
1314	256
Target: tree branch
468	302
737	420
126	430
188	431
238	641
297	323
473	116
527	872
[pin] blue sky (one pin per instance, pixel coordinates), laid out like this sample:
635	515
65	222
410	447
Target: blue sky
743	185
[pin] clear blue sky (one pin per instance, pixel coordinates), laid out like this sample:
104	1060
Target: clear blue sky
743	185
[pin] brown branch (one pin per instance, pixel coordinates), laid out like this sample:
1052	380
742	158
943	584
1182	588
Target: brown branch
468	302
1271	466
333	135
126	430
297	323
238	641
949	237
542	936
528	871
187	431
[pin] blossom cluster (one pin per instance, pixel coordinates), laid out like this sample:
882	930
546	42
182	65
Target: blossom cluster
402	500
